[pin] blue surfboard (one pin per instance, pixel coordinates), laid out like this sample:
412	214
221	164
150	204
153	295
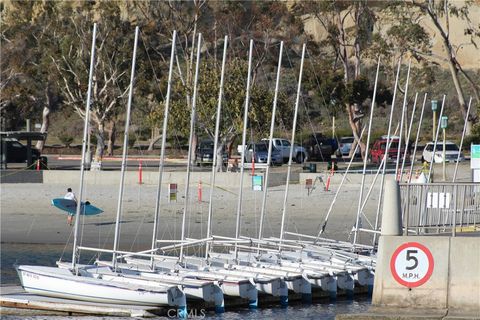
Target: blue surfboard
70	206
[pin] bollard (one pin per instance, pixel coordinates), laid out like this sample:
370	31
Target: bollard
200	191
38	164
327	185
253	164
140	172
392	212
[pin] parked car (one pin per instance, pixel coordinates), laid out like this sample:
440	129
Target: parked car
345	145
377	151
451	152
319	147
12	151
300	154
204	153
259	152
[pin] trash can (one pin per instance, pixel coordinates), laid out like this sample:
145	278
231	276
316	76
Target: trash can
313	167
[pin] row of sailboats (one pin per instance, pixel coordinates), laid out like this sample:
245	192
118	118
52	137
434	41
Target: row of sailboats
253	267
74	281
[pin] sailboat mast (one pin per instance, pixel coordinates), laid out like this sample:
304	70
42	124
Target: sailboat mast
162	151
357	222
387	147
190	139
84	142
408	137
402	120
461	140
292	143
270	141
215	147
432	163
416	139
332	203
124	155
244	142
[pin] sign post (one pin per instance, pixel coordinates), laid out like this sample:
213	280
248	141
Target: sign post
172	192
257	183
412	264
475	163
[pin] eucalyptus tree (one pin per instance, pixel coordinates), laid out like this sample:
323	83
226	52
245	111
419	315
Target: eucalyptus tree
27	80
410	27
233	103
71	61
159	20
349	30
265	22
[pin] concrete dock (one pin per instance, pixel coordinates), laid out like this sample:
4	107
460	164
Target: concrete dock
422	277
15	301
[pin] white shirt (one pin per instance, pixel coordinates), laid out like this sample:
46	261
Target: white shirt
70	196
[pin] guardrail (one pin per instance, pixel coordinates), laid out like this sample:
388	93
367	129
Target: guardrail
434	208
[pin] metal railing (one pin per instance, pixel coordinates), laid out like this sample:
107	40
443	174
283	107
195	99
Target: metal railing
434	208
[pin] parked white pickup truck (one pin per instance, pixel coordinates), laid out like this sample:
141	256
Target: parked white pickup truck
300	154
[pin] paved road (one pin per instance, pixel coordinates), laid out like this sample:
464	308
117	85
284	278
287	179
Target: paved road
72	162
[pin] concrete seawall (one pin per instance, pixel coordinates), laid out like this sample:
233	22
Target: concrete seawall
453	285
223	179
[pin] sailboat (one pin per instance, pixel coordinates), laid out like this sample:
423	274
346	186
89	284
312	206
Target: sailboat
74	282
127	273
233	282
320	270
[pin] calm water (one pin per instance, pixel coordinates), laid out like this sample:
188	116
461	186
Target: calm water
48	254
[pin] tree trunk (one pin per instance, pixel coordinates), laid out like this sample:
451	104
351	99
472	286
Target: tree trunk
342	47
357	59
220	165
154	138
49	104
460	96
100	134
194	147
111	138
355	125
230	145
44	129
452	63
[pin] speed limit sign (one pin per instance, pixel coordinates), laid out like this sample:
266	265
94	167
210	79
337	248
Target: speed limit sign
411	264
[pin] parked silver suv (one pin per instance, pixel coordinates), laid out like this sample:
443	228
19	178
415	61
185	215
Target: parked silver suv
283	146
259	152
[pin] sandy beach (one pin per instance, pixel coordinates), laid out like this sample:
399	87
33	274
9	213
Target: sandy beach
27	215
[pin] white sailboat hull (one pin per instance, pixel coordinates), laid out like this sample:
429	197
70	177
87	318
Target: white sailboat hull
231	286
294	280
61	283
205	290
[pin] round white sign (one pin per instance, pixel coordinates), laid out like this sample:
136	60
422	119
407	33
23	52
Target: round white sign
411	264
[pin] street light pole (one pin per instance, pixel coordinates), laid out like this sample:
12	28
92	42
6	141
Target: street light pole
434	109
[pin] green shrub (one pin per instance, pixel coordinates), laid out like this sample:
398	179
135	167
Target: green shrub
66	139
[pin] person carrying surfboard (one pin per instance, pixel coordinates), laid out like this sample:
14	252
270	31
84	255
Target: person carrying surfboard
70	196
